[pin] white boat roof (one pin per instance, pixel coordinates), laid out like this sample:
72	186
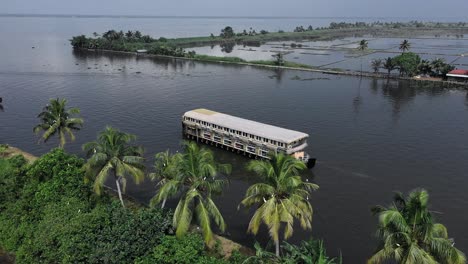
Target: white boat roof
248	126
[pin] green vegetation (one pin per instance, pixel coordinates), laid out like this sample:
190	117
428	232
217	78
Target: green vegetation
57	119
217	59
112	153
407	63
194	175
281	197
410	234
171	250
410	64
388	65
167	171
308	252
363	45
376	65
49	215
405	45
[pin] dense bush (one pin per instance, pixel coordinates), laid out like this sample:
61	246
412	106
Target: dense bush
48	214
407	63
172	250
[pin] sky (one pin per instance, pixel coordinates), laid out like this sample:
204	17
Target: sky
288	8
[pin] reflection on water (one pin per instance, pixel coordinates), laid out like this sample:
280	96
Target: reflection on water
466	99
357	101
227	47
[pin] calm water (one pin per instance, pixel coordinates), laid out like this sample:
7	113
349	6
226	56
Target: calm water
371	137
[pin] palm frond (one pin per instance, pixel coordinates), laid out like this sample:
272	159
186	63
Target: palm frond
204	220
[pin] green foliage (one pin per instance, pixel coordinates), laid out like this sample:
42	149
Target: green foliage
376	65
308	252
57	119
189	249
227	32
363	45
409	233
389	65
279	59
407	63
80	41
48	214
11	171
194	175
280	198
216	58
405	45
113	154
439	68
3	148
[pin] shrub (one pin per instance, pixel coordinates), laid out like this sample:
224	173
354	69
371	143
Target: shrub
49	215
189	249
407	63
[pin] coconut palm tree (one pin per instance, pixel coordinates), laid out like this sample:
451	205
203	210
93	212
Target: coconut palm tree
405	45
409	233
196	180
389	65
376	65
57	119
281	197
113	154
167	172
363	45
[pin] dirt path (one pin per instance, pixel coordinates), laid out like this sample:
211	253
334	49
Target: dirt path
12	151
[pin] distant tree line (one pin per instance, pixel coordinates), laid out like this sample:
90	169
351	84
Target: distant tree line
129	41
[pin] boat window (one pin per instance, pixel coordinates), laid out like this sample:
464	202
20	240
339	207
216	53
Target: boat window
239	145
251	149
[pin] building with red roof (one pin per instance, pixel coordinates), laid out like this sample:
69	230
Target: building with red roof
458	75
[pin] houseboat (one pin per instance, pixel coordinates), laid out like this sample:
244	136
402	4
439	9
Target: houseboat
253	139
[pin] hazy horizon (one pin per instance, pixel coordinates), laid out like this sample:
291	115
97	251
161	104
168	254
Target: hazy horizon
242	8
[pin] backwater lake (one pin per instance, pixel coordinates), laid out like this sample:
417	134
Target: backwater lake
371	136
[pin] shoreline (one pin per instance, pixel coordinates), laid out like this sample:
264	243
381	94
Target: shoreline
306	69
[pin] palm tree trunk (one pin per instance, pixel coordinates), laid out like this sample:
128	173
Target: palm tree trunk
277	248
117	182
163	203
